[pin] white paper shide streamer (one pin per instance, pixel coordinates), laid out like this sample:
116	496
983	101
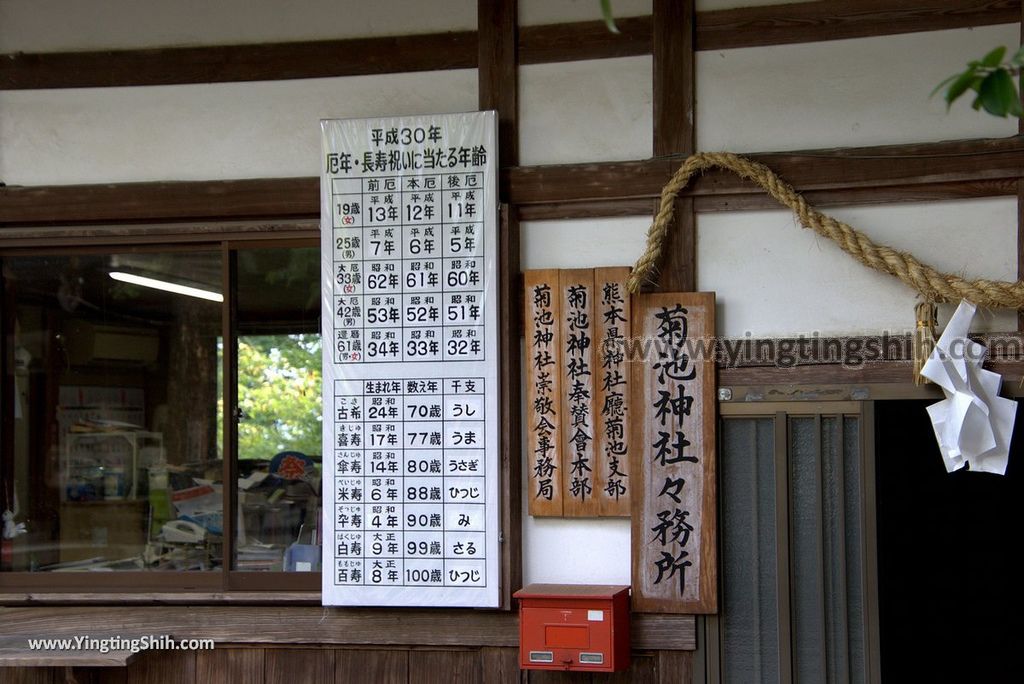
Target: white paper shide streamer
973	424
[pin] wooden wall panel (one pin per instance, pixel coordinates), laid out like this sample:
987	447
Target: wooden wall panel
642	668
291	665
673	667
500	665
382	667
444	667
163	667
230	665
557	677
31	675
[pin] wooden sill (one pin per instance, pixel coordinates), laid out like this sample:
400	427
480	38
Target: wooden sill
13	598
14	652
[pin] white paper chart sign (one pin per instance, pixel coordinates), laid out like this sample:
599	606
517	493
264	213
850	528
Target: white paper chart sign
410	382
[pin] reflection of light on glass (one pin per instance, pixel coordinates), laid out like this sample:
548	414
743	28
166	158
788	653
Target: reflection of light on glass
166	286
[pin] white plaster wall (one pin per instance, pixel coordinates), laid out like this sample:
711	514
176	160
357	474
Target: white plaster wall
225	130
773	277
56	25
594	550
582	243
585	111
868	91
555	11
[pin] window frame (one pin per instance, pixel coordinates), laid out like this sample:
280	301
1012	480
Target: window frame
232	231
711	631
150	585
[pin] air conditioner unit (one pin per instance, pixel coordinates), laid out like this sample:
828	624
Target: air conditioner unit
88	343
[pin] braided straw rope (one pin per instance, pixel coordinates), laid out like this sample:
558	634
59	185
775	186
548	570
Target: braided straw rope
933	285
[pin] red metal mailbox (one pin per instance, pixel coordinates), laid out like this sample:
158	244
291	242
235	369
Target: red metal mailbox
580	627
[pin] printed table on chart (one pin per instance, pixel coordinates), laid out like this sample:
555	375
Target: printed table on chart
410	484
408	268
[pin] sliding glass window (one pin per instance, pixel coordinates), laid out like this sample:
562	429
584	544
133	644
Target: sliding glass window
137	381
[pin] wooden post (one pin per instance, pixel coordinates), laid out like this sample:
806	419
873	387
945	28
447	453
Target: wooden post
498	82
674	97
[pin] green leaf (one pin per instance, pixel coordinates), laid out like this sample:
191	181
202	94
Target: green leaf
960	86
945	82
1018	58
1015	106
994	58
976	105
997	93
606	12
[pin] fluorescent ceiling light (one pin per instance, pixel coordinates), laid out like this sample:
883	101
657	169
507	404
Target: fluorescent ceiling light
166	286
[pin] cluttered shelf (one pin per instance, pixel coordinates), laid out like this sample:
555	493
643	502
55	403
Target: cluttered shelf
123	507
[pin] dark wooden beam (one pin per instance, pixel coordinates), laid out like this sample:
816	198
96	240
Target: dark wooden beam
750	201
806	22
865	175
498	78
715	30
162	201
159	233
845	360
314	59
840	197
810	170
584	40
674	95
881	372
227	63
497	27
583	210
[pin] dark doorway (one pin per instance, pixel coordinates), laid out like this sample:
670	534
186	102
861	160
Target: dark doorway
950	582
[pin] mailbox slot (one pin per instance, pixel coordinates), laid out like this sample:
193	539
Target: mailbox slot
574	627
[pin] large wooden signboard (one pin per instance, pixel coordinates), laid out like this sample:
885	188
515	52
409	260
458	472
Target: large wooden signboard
577	392
577	295
410	406
673	387
612	414
543	392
